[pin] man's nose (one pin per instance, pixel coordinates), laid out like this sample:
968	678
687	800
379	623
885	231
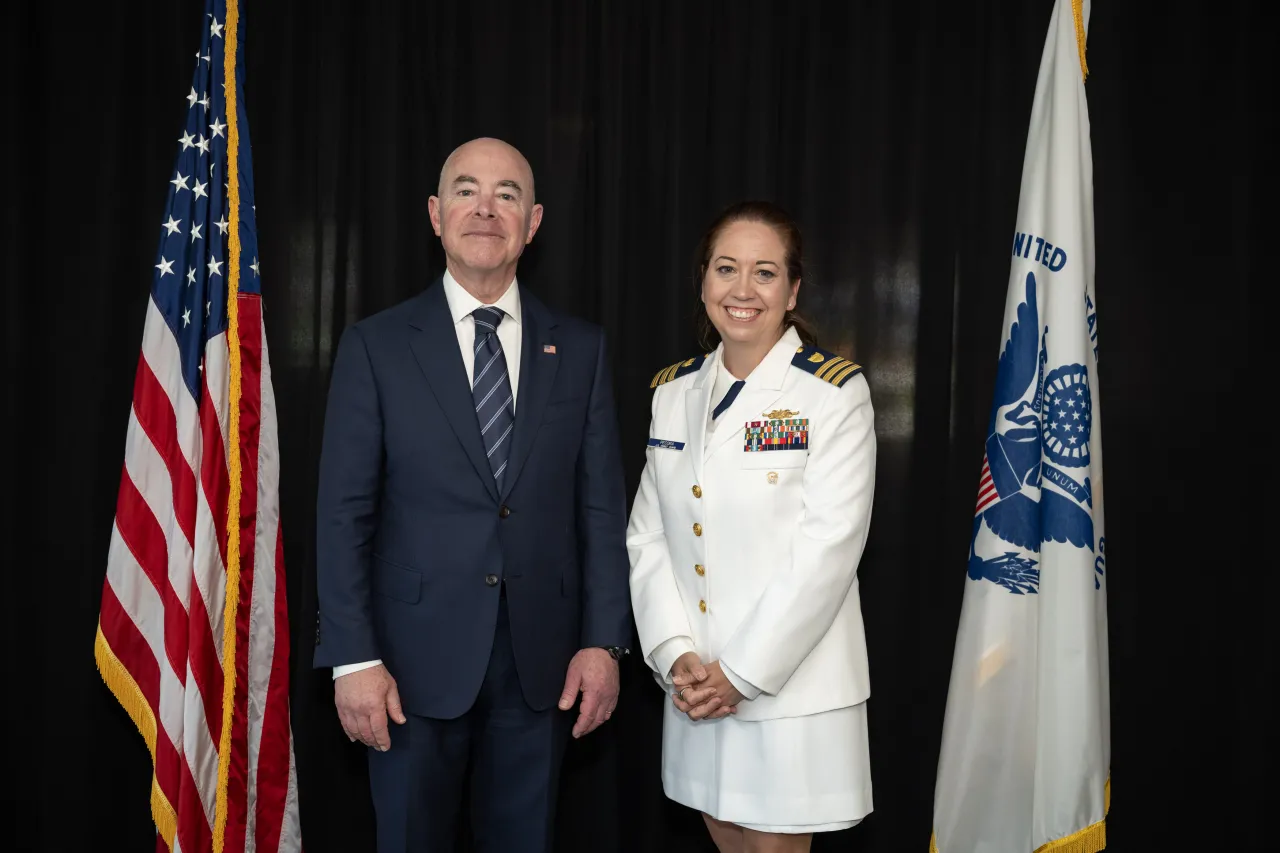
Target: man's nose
484	206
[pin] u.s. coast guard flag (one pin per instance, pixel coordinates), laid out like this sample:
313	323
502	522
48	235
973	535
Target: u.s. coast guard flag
1026	743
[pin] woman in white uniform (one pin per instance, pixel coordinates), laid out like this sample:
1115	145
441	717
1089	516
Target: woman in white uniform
744	540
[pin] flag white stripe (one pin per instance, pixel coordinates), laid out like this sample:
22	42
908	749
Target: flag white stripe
262	619
210	570
217	377
291	829
160	350
199	750
210	575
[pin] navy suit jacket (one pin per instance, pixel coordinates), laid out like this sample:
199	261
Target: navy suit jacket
410	528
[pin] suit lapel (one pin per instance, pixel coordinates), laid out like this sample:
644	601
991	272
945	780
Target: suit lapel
537	376
763	388
697	402
435	346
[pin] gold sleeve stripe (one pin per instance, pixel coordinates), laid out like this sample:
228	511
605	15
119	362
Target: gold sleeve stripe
845	374
831	368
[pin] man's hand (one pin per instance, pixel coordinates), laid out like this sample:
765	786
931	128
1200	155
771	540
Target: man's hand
594	672
364	699
703	692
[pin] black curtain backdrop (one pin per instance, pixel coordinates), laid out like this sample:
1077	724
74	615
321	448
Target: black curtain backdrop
894	131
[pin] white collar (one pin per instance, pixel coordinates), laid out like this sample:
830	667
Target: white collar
462	303
772	369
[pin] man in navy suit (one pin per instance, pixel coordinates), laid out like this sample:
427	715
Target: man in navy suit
472	569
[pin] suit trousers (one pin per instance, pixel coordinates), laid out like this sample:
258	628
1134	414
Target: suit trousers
505	755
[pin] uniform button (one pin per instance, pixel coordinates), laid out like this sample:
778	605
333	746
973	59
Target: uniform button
504	511
697	491
701	571
702	605
491	580
697	529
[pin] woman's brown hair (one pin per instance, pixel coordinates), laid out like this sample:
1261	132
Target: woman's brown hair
767	213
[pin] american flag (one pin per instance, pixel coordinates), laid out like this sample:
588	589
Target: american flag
193	635
986	487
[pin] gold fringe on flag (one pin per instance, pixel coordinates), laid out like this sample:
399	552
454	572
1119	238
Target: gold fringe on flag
1077	14
128	694
229	610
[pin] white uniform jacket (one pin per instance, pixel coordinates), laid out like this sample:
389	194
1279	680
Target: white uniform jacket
744	547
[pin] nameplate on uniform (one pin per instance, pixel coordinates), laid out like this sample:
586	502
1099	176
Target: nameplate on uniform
666	444
777	434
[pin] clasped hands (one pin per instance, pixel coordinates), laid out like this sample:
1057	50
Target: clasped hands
702	690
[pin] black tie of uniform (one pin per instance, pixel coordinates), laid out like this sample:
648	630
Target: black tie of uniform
728	398
491	390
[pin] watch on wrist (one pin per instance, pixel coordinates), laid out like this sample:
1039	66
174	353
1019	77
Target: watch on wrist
616	652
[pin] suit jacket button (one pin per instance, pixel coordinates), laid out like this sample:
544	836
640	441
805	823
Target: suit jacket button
697	529
491	580
697	491
504	511
702	605
699	570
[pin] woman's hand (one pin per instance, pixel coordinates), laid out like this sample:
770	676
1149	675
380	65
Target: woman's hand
700	690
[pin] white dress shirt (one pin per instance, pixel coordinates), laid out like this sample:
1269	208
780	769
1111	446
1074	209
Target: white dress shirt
672	649
461	304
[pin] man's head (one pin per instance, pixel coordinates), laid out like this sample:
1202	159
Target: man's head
485	212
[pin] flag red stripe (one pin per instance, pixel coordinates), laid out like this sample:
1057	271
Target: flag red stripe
205	668
130	648
154	411
204	645
142	534
273	751
194	832
214	476
250	333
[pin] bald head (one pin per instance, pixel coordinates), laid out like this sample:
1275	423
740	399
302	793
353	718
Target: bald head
485	214
489	149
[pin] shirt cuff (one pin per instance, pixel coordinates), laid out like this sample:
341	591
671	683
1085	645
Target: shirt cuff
746	688
348	668
667	653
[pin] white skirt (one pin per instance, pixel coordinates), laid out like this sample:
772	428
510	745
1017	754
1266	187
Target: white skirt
790	775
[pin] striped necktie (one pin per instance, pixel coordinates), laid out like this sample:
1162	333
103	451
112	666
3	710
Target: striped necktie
491	390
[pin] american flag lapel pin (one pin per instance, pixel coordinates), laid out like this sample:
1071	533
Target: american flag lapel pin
549	349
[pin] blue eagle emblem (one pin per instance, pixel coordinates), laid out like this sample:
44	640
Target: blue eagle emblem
1040	426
